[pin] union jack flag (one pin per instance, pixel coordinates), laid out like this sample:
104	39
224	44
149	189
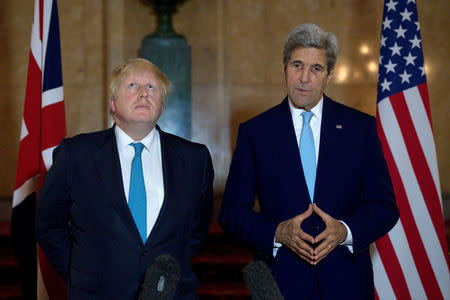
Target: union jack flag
43	127
411	261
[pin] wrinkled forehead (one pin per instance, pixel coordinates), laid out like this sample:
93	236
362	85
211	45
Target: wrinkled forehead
136	70
139	73
309	52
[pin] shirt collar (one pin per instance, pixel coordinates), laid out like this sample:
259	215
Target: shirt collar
316	110
124	139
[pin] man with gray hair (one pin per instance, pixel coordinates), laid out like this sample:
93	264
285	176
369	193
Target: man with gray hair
318	172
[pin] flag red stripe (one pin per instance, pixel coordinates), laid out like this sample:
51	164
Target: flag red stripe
28	157
27	164
392	267
423	91
51	134
423	173
415	243
32	106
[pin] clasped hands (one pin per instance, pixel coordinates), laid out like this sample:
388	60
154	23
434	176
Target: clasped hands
290	234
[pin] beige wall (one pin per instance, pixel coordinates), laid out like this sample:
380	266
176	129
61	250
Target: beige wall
236	63
83	48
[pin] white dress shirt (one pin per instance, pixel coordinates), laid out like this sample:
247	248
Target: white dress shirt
315	123
151	167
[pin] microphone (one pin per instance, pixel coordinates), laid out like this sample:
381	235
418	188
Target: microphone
260	282
160	279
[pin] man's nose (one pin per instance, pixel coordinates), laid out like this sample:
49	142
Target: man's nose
304	76
143	91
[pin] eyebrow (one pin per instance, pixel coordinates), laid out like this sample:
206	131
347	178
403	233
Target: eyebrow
301	62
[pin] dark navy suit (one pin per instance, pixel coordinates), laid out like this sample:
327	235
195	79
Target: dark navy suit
352	185
86	230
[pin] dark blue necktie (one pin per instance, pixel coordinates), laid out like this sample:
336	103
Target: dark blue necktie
137	200
308	153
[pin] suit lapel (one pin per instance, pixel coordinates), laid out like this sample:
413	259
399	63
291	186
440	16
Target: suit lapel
107	164
329	145
287	133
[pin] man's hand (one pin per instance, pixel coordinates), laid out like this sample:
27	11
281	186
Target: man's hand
333	235
290	234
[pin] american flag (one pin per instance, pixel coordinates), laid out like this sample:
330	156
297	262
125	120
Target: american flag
411	261
43	127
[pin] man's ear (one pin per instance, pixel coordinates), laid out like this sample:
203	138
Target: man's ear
329	76
112	105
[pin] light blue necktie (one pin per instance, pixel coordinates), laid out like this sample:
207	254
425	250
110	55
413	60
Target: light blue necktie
137	200
308	153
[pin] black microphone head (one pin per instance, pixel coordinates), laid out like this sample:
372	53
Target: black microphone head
260	282
160	279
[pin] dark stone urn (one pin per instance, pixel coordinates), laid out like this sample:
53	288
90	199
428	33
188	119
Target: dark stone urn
170	52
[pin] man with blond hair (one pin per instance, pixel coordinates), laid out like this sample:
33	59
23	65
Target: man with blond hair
115	200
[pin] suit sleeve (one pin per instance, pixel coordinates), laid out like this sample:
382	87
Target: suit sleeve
237	216
379	212
203	212
52	213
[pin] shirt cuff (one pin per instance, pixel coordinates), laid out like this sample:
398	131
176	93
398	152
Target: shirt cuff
276	246
349	240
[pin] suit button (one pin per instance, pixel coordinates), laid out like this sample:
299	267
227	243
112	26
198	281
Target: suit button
315	227
144	253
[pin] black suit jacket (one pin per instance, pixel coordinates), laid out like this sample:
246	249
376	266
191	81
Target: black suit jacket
352	184
87	232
